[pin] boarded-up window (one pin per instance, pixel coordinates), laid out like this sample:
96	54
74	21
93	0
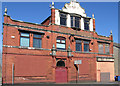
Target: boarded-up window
100	46
107	48
105	76
27	65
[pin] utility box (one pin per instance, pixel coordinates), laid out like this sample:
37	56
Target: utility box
118	78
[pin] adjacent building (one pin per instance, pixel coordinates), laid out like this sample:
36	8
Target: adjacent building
116	51
63	48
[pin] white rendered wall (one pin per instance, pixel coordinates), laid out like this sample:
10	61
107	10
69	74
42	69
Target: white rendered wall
57	17
82	24
73	7
91	24
68	20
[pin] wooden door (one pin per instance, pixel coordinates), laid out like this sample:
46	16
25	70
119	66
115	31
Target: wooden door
61	75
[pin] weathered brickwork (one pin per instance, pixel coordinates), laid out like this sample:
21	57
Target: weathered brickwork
39	65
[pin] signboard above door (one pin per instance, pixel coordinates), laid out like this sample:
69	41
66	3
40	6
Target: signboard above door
78	62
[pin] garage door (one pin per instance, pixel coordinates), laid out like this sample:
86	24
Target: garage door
105	76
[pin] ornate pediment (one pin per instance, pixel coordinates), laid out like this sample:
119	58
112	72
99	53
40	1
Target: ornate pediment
74	7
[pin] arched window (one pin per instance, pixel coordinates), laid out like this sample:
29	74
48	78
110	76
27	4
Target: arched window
60	63
61	43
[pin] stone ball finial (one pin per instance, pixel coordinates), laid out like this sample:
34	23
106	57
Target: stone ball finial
52	4
93	16
5	10
111	32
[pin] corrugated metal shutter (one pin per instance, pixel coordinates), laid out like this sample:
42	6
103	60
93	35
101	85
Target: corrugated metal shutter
105	76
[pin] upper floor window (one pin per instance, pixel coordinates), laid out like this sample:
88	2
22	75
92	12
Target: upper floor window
63	18
24	39
86	46
107	48
100	46
75	21
86	23
61	43
37	40
78	45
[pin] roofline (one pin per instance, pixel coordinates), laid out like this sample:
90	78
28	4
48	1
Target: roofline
116	44
103	36
25	22
73	13
45	19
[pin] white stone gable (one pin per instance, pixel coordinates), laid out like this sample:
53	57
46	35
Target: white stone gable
74	7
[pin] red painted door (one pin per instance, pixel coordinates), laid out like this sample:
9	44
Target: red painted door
61	75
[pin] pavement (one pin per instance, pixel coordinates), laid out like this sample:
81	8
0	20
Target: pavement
68	84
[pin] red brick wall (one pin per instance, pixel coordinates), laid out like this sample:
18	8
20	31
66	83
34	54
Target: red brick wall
52	15
93	24
47	22
47	63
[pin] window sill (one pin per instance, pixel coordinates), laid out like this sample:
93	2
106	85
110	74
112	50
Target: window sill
86	30
32	48
82	52
75	28
63	25
61	50
103	53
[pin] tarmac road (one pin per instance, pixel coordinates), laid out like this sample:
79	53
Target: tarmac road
69	84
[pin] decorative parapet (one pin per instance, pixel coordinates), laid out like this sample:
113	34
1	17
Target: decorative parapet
74	7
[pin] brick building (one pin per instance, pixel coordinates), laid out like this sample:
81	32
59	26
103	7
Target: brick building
48	52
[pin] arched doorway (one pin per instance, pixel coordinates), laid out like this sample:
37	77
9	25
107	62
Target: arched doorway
61	72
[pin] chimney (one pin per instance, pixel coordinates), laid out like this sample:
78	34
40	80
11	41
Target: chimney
52	13
111	36
93	22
